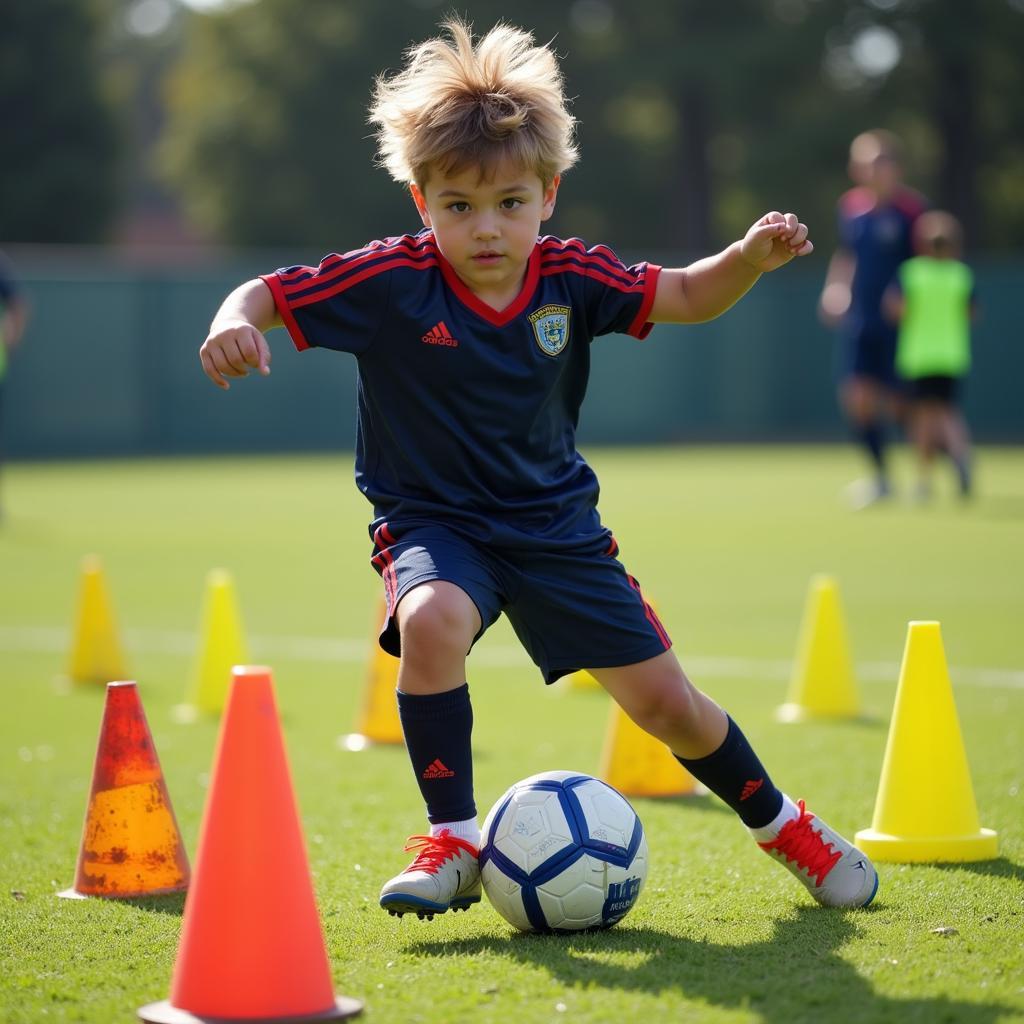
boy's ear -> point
(550, 195)
(421, 204)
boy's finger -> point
(774, 230)
(235, 358)
(264, 353)
(211, 371)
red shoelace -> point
(435, 850)
(798, 842)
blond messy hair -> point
(455, 106)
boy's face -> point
(876, 169)
(487, 228)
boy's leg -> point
(957, 441)
(437, 622)
(442, 593)
(863, 401)
(657, 695)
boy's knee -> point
(668, 712)
(439, 619)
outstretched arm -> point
(707, 288)
(835, 295)
(13, 320)
(235, 343)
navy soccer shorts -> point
(572, 609)
(870, 352)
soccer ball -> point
(562, 851)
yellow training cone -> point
(925, 809)
(583, 680)
(822, 684)
(221, 647)
(96, 655)
(637, 764)
(378, 720)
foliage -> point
(58, 168)
(694, 118)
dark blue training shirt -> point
(466, 416)
(880, 238)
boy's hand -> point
(232, 349)
(774, 240)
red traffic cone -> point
(251, 944)
(131, 845)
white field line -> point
(53, 639)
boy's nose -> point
(484, 229)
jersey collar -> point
(482, 310)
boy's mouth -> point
(487, 256)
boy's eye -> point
(511, 203)
(458, 207)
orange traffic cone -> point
(637, 764)
(252, 948)
(131, 845)
(378, 720)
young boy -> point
(933, 303)
(876, 221)
(473, 343)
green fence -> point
(109, 366)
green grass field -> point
(724, 541)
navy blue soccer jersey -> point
(880, 238)
(467, 416)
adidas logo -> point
(437, 770)
(439, 335)
(750, 788)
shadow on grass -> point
(796, 975)
(702, 801)
(173, 903)
(1000, 867)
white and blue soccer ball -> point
(562, 851)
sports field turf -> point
(724, 541)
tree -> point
(694, 117)
(58, 170)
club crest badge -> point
(551, 328)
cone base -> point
(794, 713)
(356, 741)
(882, 846)
(74, 894)
(164, 1013)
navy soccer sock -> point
(438, 730)
(734, 773)
(872, 437)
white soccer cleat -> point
(445, 875)
(835, 872)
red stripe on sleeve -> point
(348, 282)
(340, 265)
(640, 327)
(273, 282)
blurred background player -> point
(13, 315)
(876, 221)
(933, 303)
